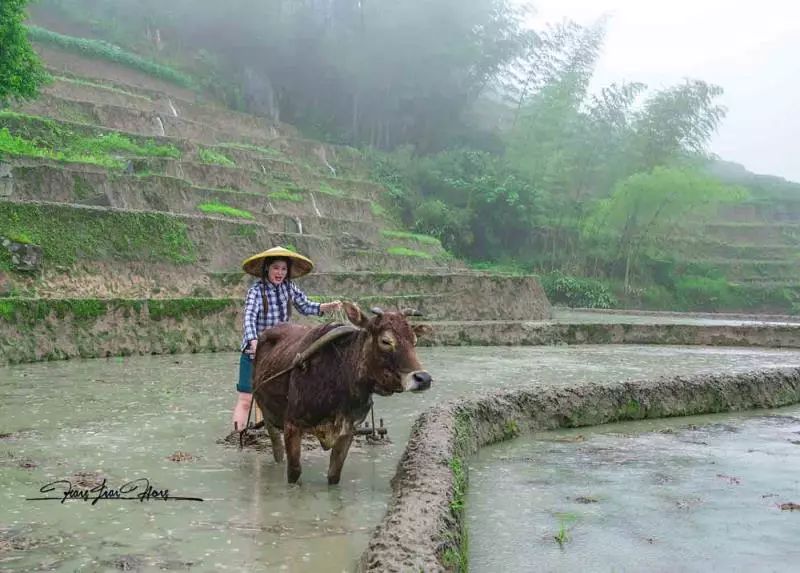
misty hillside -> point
(481, 134)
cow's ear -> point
(422, 329)
(355, 315)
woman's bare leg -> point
(241, 410)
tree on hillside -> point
(564, 53)
(21, 71)
(676, 122)
(648, 210)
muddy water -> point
(689, 494)
(121, 419)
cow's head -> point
(390, 355)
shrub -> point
(577, 292)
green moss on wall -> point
(33, 311)
(67, 235)
(196, 307)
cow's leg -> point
(292, 437)
(338, 455)
(277, 443)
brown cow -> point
(330, 394)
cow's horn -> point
(376, 310)
(412, 312)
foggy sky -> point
(751, 49)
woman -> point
(269, 302)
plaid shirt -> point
(277, 308)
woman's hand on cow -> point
(330, 306)
(251, 349)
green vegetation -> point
(31, 311)
(377, 209)
(160, 309)
(652, 209)
(631, 410)
(247, 231)
(505, 267)
(68, 234)
(268, 151)
(106, 87)
(564, 522)
(717, 294)
(21, 71)
(406, 252)
(208, 156)
(510, 429)
(577, 292)
(81, 189)
(39, 137)
(459, 485)
(423, 239)
(456, 555)
(226, 210)
(291, 194)
(458, 559)
(328, 190)
(113, 142)
(34, 311)
(106, 51)
(15, 145)
(19, 237)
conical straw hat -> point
(300, 265)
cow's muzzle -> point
(417, 381)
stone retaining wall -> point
(511, 333)
(424, 529)
(46, 329)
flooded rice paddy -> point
(159, 418)
(710, 493)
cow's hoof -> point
(293, 475)
(333, 480)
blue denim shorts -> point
(245, 374)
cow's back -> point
(276, 350)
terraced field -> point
(117, 190)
